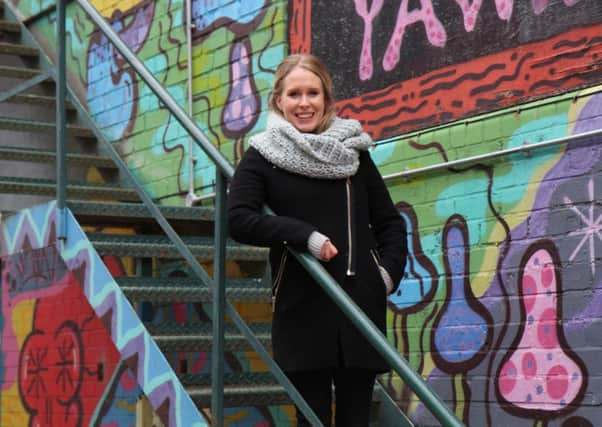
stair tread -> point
(41, 186)
(18, 72)
(240, 389)
(38, 100)
(169, 289)
(17, 124)
(13, 27)
(173, 330)
(195, 337)
(184, 282)
(233, 379)
(37, 155)
(237, 395)
(160, 246)
(138, 210)
(18, 49)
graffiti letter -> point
(470, 12)
(540, 5)
(434, 30)
(504, 9)
(367, 16)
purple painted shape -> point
(134, 35)
(159, 395)
(577, 159)
(242, 106)
(576, 156)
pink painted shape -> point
(539, 6)
(361, 8)
(435, 31)
(504, 9)
(557, 381)
(549, 378)
(470, 12)
(507, 378)
(529, 365)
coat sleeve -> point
(246, 220)
(387, 225)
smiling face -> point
(302, 100)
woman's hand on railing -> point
(328, 251)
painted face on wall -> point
(302, 100)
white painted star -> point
(591, 227)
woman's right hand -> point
(328, 251)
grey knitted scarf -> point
(333, 153)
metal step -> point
(21, 125)
(38, 101)
(44, 187)
(149, 246)
(18, 72)
(198, 336)
(42, 156)
(18, 49)
(248, 389)
(180, 289)
(9, 27)
(121, 211)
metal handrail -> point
(226, 170)
(61, 123)
(526, 147)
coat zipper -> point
(350, 271)
(278, 279)
(375, 257)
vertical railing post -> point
(61, 157)
(219, 303)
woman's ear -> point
(278, 102)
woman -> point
(314, 171)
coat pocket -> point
(278, 279)
(376, 259)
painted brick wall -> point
(501, 304)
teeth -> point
(305, 116)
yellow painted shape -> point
(581, 100)
(459, 393)
(13, 413)
(108, 7)
(22, 319)
(481, 282)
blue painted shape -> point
(110, 93)
(417, 281)
(461, 332)
(208, 12)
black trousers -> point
(353, 395)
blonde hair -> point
(310, 63)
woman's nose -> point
(303, 100)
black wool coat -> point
(309, 332)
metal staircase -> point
(27, 158)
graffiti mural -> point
(73, 351)
(506, 334)
(403, 65)
(236, 46)
(500, 306)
